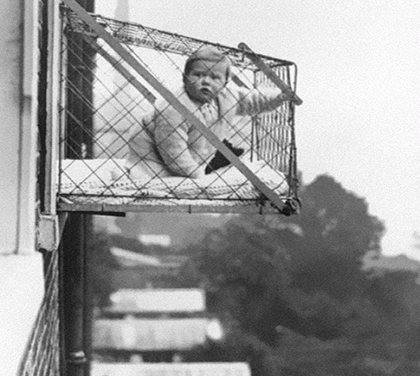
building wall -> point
(17, 144)
(10, 112)
(21, 292)
(21, 268)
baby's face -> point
(205, 80)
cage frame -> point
(286, 205)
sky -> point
(358, 76)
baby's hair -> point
(208, 54)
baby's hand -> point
(288, 95)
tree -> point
(336, 231)
(299, 272)
(302, 275)
(244, 275)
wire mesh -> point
(42, 356)
(112, 153)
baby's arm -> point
(260, 100)
(171, 136)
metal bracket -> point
(50, 228)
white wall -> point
(10, 115)
(18, 129)
(21, 291)
(21, 271)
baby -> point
(169, 145)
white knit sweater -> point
(168, 145)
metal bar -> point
(72, 249)
(252, 207)
(78, 229)
(152, 38)
(51, 133)
(269, 72)
(42, 101)
(209, 135)
(88, 303)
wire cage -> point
(117, 79)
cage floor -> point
(101, 186)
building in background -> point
(171, 369)
(138, 271)
(154, 325)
